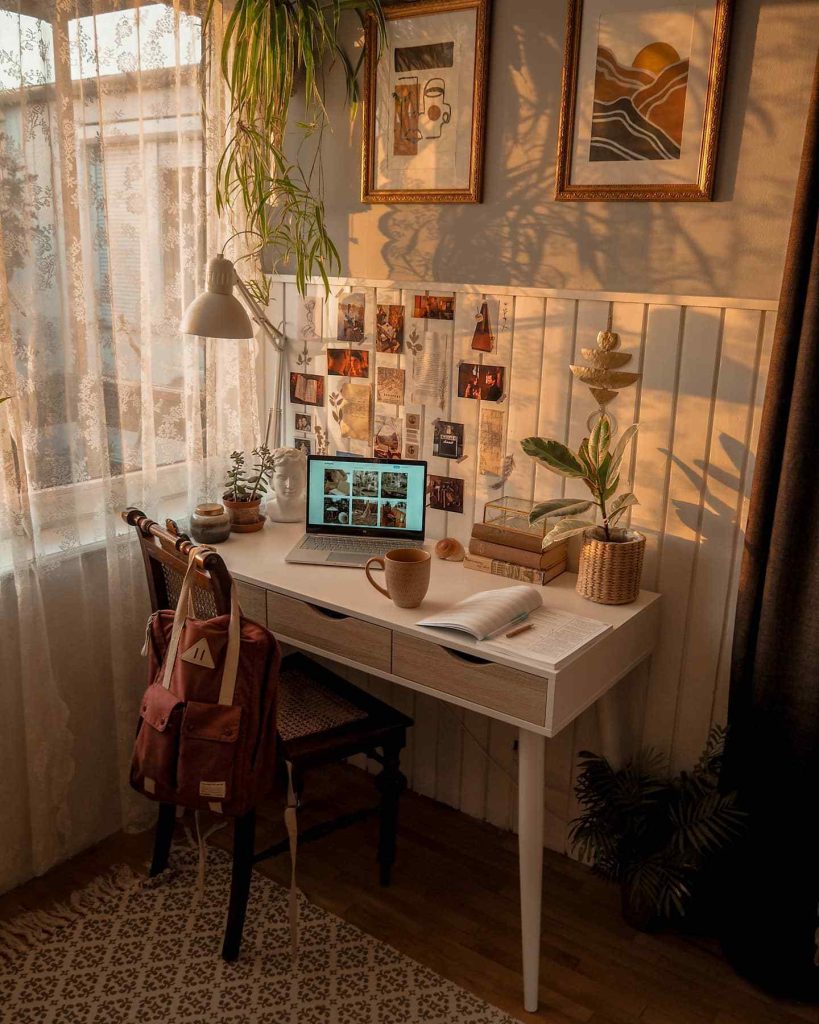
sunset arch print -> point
(642, 89)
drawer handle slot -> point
(473, 659)
(328, 613)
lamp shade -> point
(217, 313)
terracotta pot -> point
(244, 515)
(610, 570)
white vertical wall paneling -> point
(720, 698)
(719, 473)
(699, 362)
(704, 365)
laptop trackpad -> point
(348, 557)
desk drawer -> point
(252, 601)
(491, 685)
(337, 634)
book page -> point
(554, 636)
(486, 613)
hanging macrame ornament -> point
(602, 375)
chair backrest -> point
(165, 553)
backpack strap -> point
(183, 611)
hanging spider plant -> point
(269, 48)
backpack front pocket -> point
(153, 769)
(207, 752)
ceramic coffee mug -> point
(406, 573)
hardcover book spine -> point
(511, 538)
(531, 559)
(498, 567)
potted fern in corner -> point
(611, 559)
(653, 833)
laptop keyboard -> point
(357, 545)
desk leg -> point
(531, 783)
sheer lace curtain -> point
(105, 171)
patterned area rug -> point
(148, 951)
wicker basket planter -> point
(610, 570)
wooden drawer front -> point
(252, 601)
(346, 635)
(490, 685)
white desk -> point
(334, 612)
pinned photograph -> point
(412, 450)
(490, 442)
(446, 493)
(351, 310)
(345, 362)
(337, 511)
(387, 437)
(389, 385)
(306, 389)
(303, 422)
(336, 483)
(448, 440)
(413, 420)
(481, 382)
(434, 307)
(486, 321)
(393, 514)
(303, 444)
(393, 485)
(389, 328)
(365, 512)
(355, 411)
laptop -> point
(358, 507)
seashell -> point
(450, 550)
(607, 340)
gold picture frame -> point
(467, 183)
(700, 167)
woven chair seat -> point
(307, 707)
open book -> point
(482, 615)
(554, 638)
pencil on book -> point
(520, 629)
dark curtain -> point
(772, 757)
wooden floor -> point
(453, 906)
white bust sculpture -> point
(289, 486)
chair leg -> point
(391, 784)
(163, 835)
(244, 833)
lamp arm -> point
(273, 333)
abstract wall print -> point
(642, 91)
(389, 385)
(309, 313)
(425, 103)
(345, 362)
(389, 329)
(351, 310)
(306, 389)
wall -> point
(520, 236)
(703, 365)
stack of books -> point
(514, 554)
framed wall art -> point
(425, 103)
(642, 90)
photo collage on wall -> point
(357, 497)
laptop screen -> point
(366, 497)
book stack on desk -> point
(515, 555)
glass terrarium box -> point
(513, 514)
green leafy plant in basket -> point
(598, 465)
(652, 832)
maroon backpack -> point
(207, 728)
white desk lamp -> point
(217, 313)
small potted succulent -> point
(245, 489)
(611, 559)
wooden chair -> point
(322, 719)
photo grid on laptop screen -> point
(382, 496)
